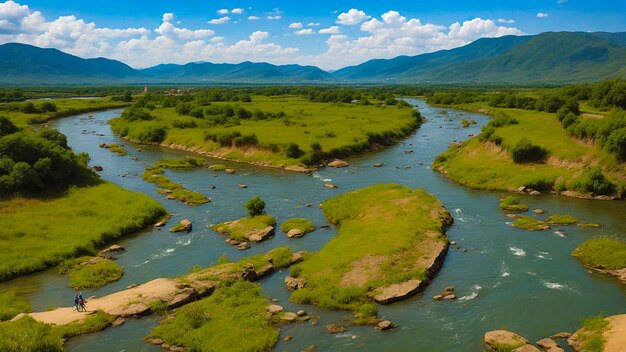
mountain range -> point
(546, 58)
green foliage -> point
(255, 206)
(240, 229)
(92, 323)
(158, 306)
(558, 219)
(28, 335)
(298, 223)
(292, 150)
(200, 326)
(591, 336)
(7, 127)
(89, 272)
(526, 152)
(155, 174)
(593, 180)
(513, 204)
(36, 234)
(12, 304)
(529, 223)
(602, 253)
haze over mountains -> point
(561, 57)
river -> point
(505, 277)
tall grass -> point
(89, 272)
(28, 335)
(39, 233)
(12, 304)
(602, 253)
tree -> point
(255, 206)
(7, 127)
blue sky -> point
(329, 34)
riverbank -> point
(287, 132)
(391, 241)
(571, 167)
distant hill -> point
(562, 57)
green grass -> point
(11, 304)
(158, 306)
(65, 107)
(39, 233)
(90, 272)
(593, 328)
(485, 165)
(602, 253)
(117, 148)
(513, 204)
(92, 323)
(218, 167)
(384, 229)
(340, 129)
(558, 219)
(529, 223)
(297, 223)
(240, 229)
(155, 174)
(28, 335)
(233, 318)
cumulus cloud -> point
(307, 31)
(295, 25)
(313, 24)
(222, 11)
(542, 14)
(274, 17)
(237, 11)
(254, 18)
(352, 17)
(330, 30)
(220, 20)
(502, 20)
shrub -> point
(512, 203)
(249, 140)
(593, 180)
(134, 114)
(153, 134)
(524, 151)
(292, 150)
(7, 127)
(255, 206)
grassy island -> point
(602, 253)
(388, 235)
(279, 131)
(88, 272)
(155, 174)
(545, 140)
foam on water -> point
(164, 253)
(184, 242)
(517, 251)
(504, 271)
(560, 233)
(554, 285)
(474, 294)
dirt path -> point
(616, 334)
(134, 301)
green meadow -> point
(282, 130)
(39, 233)
(384, 232)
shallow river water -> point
(505, 277)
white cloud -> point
(220, 20)
(168, 17)
(352, 17)
(222, 11)
(217, 39)
(295, 25)
(561, 2)
(276, 17)
(275, 14)
(237, 11)
(502, 20)
(254, 18)
(313, 24)
(542, 14)
(330, 30)
(307, 31)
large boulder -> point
(261, 235)
(397, 292)
(547, 343)
(293, 283)
(499, 340)
(274, 309)
(527, 348)
(295, 233)
(338, 163)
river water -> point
(505, 277)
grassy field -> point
(340, 129)
(39, 233)
(384, 233)
(64, 107)
(488, 165)
(12, 304)
(602, 253)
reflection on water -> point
(504, 276)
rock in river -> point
(503, 339)
(183, 226)
(338, 163)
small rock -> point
(183, 226)
(293, 283)
(288, 338)
(274, 309)
(289, 317)
(512, 216)
(324, 227)
(547, 343)
(330, 185)
(408, 151)
(338, 163)
(213, 187)
(170, 198)
(527, 348)
(311, 348)
(335, 329)
(437, 297)
(521, 189)
(561, 335)
(241, 185)
(499, 339)
(453, 243)
(556, 349)
(133, 158)
(308, 205)
(139, 150)
(449, 297)
(274, 300)
(301, 313)
(384, 325)
(131, 286)
(378, 164)
(154, 341)
(230, 171)
(97, 168)
(177, 349)
(243, 246)
(295, 233)
(117, 322)
(534, 193)
(538, 211)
